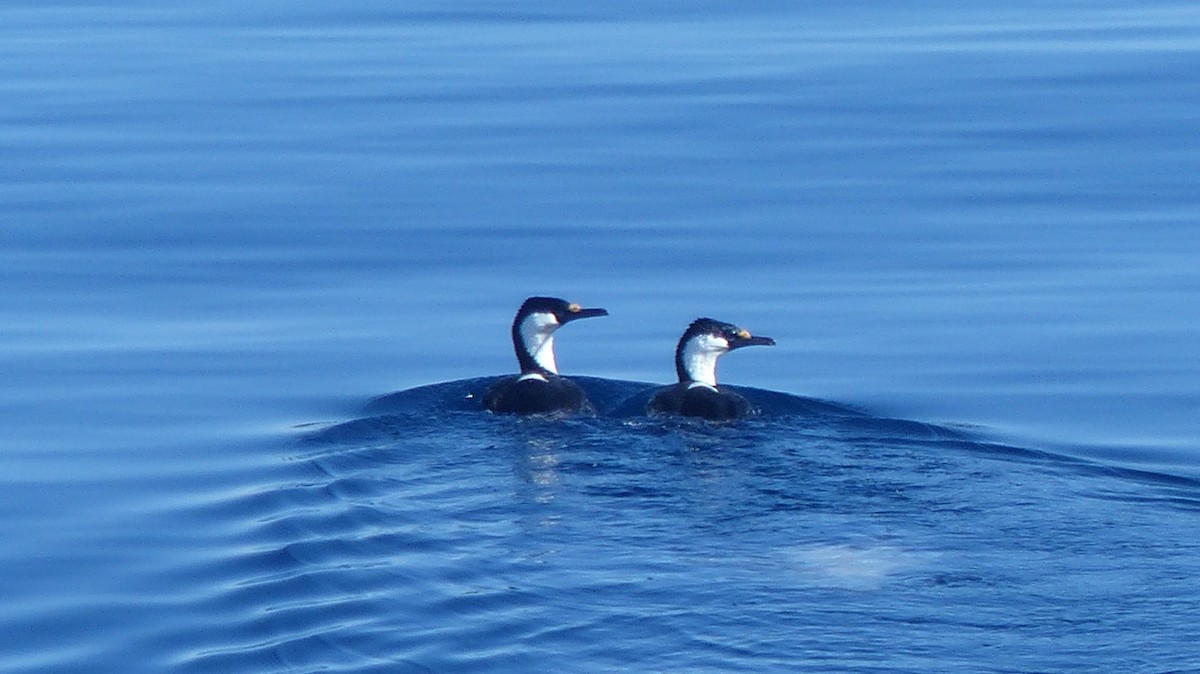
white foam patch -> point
(852, 567)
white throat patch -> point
(700, 356)
(537, 333)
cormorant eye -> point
(574, 308)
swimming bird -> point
(697, 394)
(538, 389)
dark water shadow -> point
(620, 403)
(611, 398)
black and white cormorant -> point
(697, 394)
(538, 389)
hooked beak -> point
(584, 313)
(751, 340)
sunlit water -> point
(225, 229)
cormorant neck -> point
(696, 359)
(533, 339)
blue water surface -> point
(226, 229)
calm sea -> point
(225, 227)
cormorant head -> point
(703, 343)
(533, 331)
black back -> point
(513, 395)
(699, 401)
